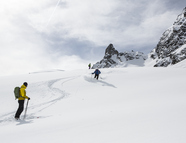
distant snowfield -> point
(126, 105)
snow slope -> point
(127, 105)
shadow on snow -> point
(92, 80)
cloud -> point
(45, 34)
(117, 22)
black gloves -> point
(28, 98)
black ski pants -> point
(96, 76)
(20, 108)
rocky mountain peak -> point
(170, 49)
(113, 58)
(184, 12)
(110, 50)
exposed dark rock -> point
(113, 58)
(170, 49)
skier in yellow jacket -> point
(21, 100)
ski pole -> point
(26, 109)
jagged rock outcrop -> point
(113, 58)
(171, 48)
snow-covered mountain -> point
(171, 48)
(113, 58)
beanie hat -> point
(25, 83)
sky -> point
(58, 34)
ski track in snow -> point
(36, 92)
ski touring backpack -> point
(17, 92)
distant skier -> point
(96, 72)
(21, 100)
(89, 65)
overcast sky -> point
(68, 34)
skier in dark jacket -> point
(96, 72)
